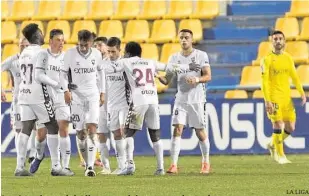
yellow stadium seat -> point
(179, 10)
(81, 25)
(303, 73)
(195, 26)
(100, 10)
(136, 30)
(289, 26)
(25, 23)
(74, 10)
(206, 10)
(122, 47)
(58, 24)
(236, 94)
(4, 10)
(163, 31)
(258, 94)
(299, 8)
(22, 10)
(150, 51)
(111, 28)
(295, 93)
(68, 46)
(9, 50)
(299, 51)
(264, 49)
(48, 10)
(45, 46)
(169, 49)
(251, 75)
(6, 81)
(127, 10)
(8, 32)
(304, 33)
(153, 10)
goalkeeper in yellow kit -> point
(277, 69)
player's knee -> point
(129, 132)
(63, 128)
(177, 131)
(41, 134)
(289, 128)
(18, 130)
(102, 137)
(154, 134)
(52, 127)
(92, 128)
(92, 137)
(27, 127)
(118, 135)
(81, 134)
(200, 133)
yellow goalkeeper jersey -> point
(277, 69)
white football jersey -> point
(140, 73)
(84, 70)
(117, 87)
(188, 93)
(30, 91)
(55, 64)
(12, 64)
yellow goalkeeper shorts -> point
(283, 111)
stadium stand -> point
(205, 10)
(9, 50)
(179, 10)
(111, 28)
(303, 73)
(304, 33)
(80, 25)
(4, 10)
(22, 10)
(163, 31)
(299, 51)
(136, 30)
(152, 10)
(195, 26)
(250, 75)
(8, 32)
(289, 26)
(167, 50)
(264, 49)
(236, 94)
(257, 94)
(100, 10)
(150, 51)
(127, 10)
(48, 10)
(25, 23)
(74, 10)
(298, 9)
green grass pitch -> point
(231, 175)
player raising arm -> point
(85, 64)
(277, 68)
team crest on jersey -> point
(77, 63)
(62, 61)
(93, 62)
(193, 59)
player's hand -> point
(102, 99)
(72, 86)
(3, 97)
(67, 97)
(303, 100)
(195, 67)
(191, 80)
(269, 107)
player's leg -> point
(179, 120)
(103, 133)
(197, 119)
(152, 119)
(63, 119)
(289, 119)
(40, 143)
(28, 119)
(31, 146)
(92, 120)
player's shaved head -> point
(22, 44)
(133, 49)
(33, 34)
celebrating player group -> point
(106, 97)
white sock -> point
(120, 144)
(65, 150)
(104, 155)
(113, 142)
(91, 150)
(53, 146)
(22, 142)
(204, 146)
(15, 140)
(130, 148)
(82, 145)
(158, 148)
(40, 148)
(175, 149)
(31, 144)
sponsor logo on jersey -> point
(84, 70)
(148, 92)
(54, 68)
(93, 62)
(115, 78)
(25, 91)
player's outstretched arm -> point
(40, 67)
(7, 64)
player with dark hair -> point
(100, 44)
(190, 101)
(35, 101)
(85, 65)
(277, 69)
(62, 111)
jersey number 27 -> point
(24, 69)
